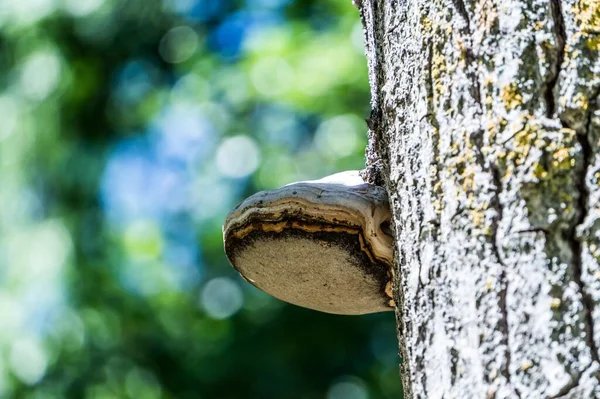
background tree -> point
(485, 129)
(128, 129)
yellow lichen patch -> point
(587, 15)
(521, 144)
(540, 172)
(581, 101)
(468, 181)
(491, 129)
(488, 16)
(462, 48)
(595, 253)
(560, 156)
(487, 230)
(448, 29)
(593, 43)
(551, 158)
(438, 66)
(489, 97)
(477, 218)
(511, 96)
(427, 25)
(437, 207)
(526, 365)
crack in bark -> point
(431, 119)
(462, 10)
(435, 139)
(469, 56)
(582, 202)
(576, 246)
(561, 38)
(502, 278)
(566, 390)
(575, 242)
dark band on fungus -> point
(312, 244)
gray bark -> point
(484, 129)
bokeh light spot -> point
(280, 126)
(70, 326)
(103, 327)
(39, 254)
(136, 185)
(134, 82)
(52, 247)
(178, 44)
(4, 378)
(209, 206)
(269, 39)
(313, 76)
(184, 134)
(28, 360)
(286, 168)
(228, 37)
(190, 89)
(141, 384)
(338, 136)
(143, 240)
(238, 156)
(221, 298)
(12, 317)
(28, 11)
(81, 8)
(235, 86)
(348, 388)
(40, 74)
(179, 6)
(272, 76)
(9, 113)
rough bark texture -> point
(485, 128)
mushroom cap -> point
(321, 244)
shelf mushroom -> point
(322, 244)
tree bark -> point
(484, 129)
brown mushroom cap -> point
(318, 244)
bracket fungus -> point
(322, 244)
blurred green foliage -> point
(128, 129)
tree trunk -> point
(484, 129)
